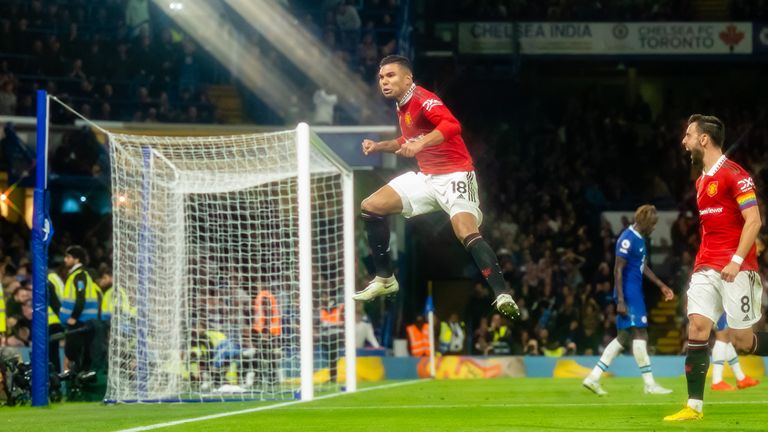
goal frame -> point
(305, 141)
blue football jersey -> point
(631, 247)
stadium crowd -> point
(124, 59)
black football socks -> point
(378, 239)
(696, 366)
(486, 261)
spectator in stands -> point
(499, 337)
(364, 334)
(480, 337)
(324, 106)
(7, 36)
(137, 16)
(349, 24)
(19, 313)
(8, 100)
(478, 305)
(76, 72)
(368, 55)
(452, 335)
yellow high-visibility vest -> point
(58, 284)
(2, 315)
(69, 297)
(109, 303)
(215, 337)
(52, 317)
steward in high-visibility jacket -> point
(109, 303)
(81, 297)
(331, 330)
(2, 316)
(266, 317)
(418, 337)
(53, 318)
(500, 338)
(55, 291)
(80, 303)
(452, 335)
(224, 355)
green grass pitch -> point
(524, 404)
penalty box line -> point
(263, 408)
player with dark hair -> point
(446, 181)
(632, 318)
(725, 277)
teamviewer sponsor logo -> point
(711, 210)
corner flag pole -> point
(430, 308)
(41, 236)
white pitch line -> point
(263, 408)
(513, 405)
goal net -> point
(233, 264)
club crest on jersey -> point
(408, 119)
(712, 189)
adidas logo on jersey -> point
(461, 196)
(746, 318)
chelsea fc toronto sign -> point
(538, 38)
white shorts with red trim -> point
(426, 193)
(709, 295)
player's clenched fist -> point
(368, 146)
(729, 272)
(410, 148)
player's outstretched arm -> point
(666, 291)
(388, 146)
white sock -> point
(719, 353)
(611, 351)
(733, 360)
(696, 404)
(640, 351)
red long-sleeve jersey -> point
(721, 195)
(421, 113)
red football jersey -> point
(421, 113)
(721, 195)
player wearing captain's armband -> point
(446, 181)
(725, 277)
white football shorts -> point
(709, 295)
(425, 193)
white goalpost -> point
(234, 260)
